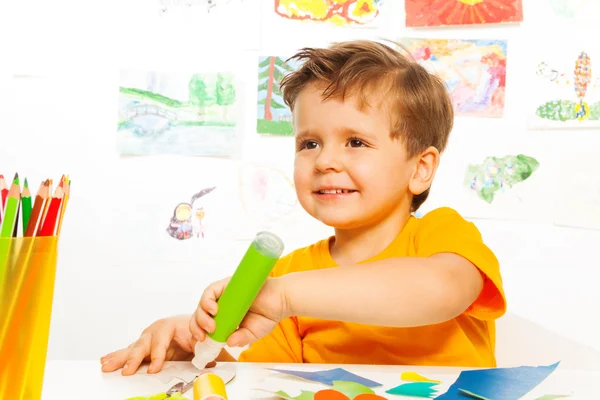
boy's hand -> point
(166, 339)
(269, 307)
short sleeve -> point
(445, 231)
(282, 345)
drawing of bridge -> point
(140, 110)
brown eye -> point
(356, 143)
(310, 145)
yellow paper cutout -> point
(414, 377)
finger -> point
(204, 321)
(241, 337)
(115, 360)
(137, 353)
(197, 332)
(213, 292)
(160, 342)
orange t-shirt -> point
(467, 340)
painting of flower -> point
(421, 13)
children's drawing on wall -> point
(186, 221)
(567, 95)
(496, 175)
(575, 10)
(274, 117)
(267, 193)
(211, 19)
(474, 72)
(577, 203)
(177, 113)
(334, 12)
(421, 13)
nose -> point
(328, 160)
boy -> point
(388, 288)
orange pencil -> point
(67, 188)
(38, 208)
(49, 224)
(45, 209)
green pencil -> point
(26, 204)
(10, 212)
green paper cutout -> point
(473, 395)
(351, 389)
(415, 389)
(304, 395)
(552, 396)
(159, 396)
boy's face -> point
(349, 173)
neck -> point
(355, 245)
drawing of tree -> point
(271, 71)
(225, 92)
(198, 96)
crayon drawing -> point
(498, 174)
(474, 72)
(334, 12)
(575, 9)
(274, 117)
(170, 113)
(186, 221)
(567, 90)
(420, 13)
(267, 193)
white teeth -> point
(334, 191)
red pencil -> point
(3, 191)
(38, 209)
(49, 224)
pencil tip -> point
(16, 178)
(25, 183)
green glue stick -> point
(239, 294)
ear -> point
(426, 164)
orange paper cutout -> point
(330, 394)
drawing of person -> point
(198, 228)
(180, 226)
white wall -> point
(118, 269)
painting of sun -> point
(421, 13)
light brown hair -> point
(420, 106)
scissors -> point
(175, 392)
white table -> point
(84, 380)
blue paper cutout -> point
(327, 377)
(499, 383)
(415, 389)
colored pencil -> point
(26, 204)
(37, 210)
(10, 211)
(45, 209)
(3, 190)
(49, 224)
(64, 203)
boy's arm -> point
(400, 292)
(453, 272)
(225, 356)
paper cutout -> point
(187, 372)
(330, 394)
(415, 389)
(552, 396)
(328, 376)
(351, 389)
(304, 395)
(499, 383)
(414, 377)
(473, 395)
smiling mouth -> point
(335, 191)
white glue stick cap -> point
(206, 351)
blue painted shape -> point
(499, 383)
(328, 376)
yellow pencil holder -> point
(27, 275)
